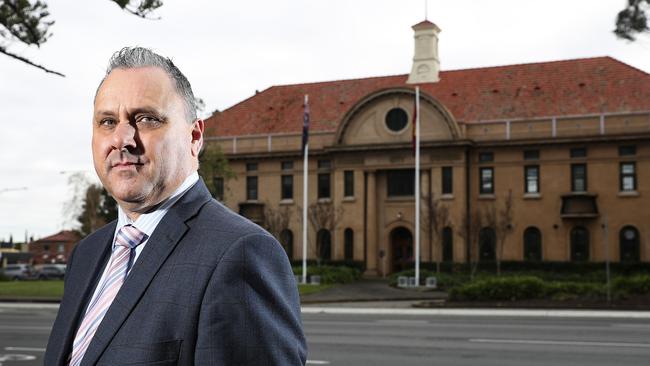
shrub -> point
(500, 289)
(331, 274)
(637, 285)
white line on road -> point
(561, 343)
(25, 349)
(317, 362)
(482, 312)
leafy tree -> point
(98, 209)
(633, 19)
(29, 22)
(213, 164)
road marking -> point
(26, 349)
(561, 343)
(402, 322)
(317, 362)
(515, 313)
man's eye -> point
(147, 119)
(107, 122)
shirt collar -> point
(147, 222)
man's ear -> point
(198, 126)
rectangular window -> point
(251, 167)
(532, 179)
(287, 165)
(348, 183)
(324, 185)
(61, 248)
(628, 177)
(251, 188)
(400, 182)
(627, 150)
(578, 177)
(531, 155)
(578, 152)
(487, 180)
(485, 157)
(218, 188)
(447, 180)
(287, 187)
(324, 164)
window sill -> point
(532, 196)
(286, 201)
(252, 201)
(629, 194)
(349, 199)
(324, 200)
(447, 197)
(400, 199)
(486, 196)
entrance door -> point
(402, 247)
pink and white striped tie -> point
(127, 238)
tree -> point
(435, 217)
(504, 226)
(323, 215)
(470, 227)
(277, 220)
(28, 22)
(633, 19)
(98, 209)
(212, 165)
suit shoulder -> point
(223, 219)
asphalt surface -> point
(355, 337)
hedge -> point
(331, 274)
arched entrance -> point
(401, 243)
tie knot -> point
(129, 236)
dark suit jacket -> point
(209, 288)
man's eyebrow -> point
(134, 111)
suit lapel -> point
(93, 258)
(159, 246)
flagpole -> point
(304, 198)
(417, 186)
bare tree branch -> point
(20, 58)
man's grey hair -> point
(135, 57)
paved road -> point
(412, 340)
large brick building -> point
(565, 143)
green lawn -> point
(54, 289)
(310, 289)
(44, 289)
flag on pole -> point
(305, 125)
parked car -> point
(19, 272)
(50, 271)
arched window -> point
(579, 244)
(629, 244)
(487, 239)
(348, 239)
(532, 244)
(286, 239)
(447, 245)
(324, 244)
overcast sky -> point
(228, 49)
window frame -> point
(527, 179)
(482, 188)
(324, 185)
(286, 186)
(348, 183)
(252, 192)
(574, 178)
(622, 176)
(447, 180)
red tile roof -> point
(62, 236)
(560, 88)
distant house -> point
(54, 248)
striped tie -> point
(128, 237)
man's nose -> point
(124, 135)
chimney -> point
(426, 64)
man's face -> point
(143, 145)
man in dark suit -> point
(178, 279)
